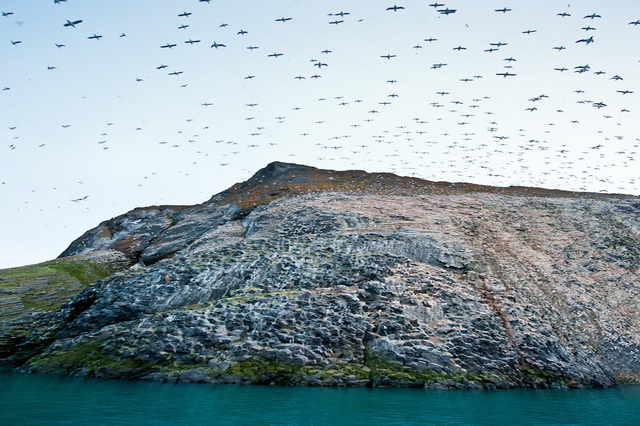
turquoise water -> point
(54, 400)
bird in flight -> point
(72, 23)
(388, 56)
(505, 74)
(216, 45)
(436, 5)
(585, 40)
(395, 8)
(275, 55)
(168, 45)
(283, 19)
(447, 11)
(592, 16)
(185, 14)
(95, 37)
(503, 10)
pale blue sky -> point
(108, 123)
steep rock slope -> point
(315, 277)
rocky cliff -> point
(313, 277)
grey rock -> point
(267, 283)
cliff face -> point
(314, 277)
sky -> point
(97, 118)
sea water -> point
(55, 400)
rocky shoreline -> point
(397, 287)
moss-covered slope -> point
(46, 286)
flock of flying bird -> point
(463, 151)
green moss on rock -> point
(46, 286)
(89, 359)
(373, 372)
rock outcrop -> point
(303, 276)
